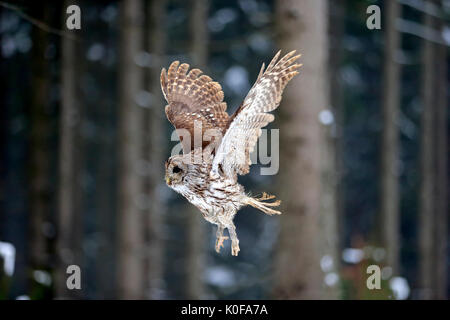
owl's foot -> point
(234, 239)
(259, 203)
(219, 242)
(235, 248)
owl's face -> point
(176, 171)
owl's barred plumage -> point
(193, 97)
(206, 173)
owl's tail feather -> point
(264, 206)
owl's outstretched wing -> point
(193, 99)
(244, 128)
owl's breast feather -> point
(217, 199)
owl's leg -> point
(234, 239)
(220, 237)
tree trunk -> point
(103, 149)
(336, 29)
(105, 258)
(156, 142)
(426, 209)
(39, 145)
(131, 256)
(389, 193)
(70, 151)
(302, 26)
(329, 177)
(441, 171)
(196, 231)
(13, 155)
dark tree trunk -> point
(104, 146)
(389, 193)
(39, 168)
(336, 29)
(131, 227)
(426, 206)
(155, 149)
(441, 171)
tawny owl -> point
(206, 173)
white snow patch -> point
(8, 252)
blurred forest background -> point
(363, 150)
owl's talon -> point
(219, 243)
(273, 204)
(265, 196)
(235, 249)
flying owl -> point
(206, 173)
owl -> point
(216, 146)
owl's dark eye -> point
(176, 169)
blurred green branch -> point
(41, 25)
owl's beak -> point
(168, 181)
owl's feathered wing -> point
(193, 98)
(244, 127)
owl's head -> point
(176, 170)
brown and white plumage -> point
(211, 185)
(245, 127)
(193, 97)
